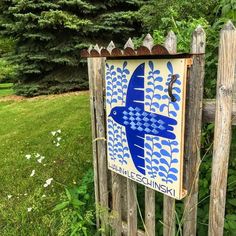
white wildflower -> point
(58, 139)
(37, 155)
(29, 209)
(48, 182)
(32, 173)
(59, 131)
(28, 156)
(44, 195)
(40, 159)
(58, 144)
(9, 196)
(25, 194)
(53, 133)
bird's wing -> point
(136, 146)
(163, 126)
(135, 93)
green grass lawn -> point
(6, 89)
(25, 128)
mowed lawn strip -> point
(6, 89)
(25, 129)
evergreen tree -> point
(50, 34)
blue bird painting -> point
(138, 122)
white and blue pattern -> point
(138, 128)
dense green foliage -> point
(50, 34)
(7, 69)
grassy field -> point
(25, 127)
(6, 89)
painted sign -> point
(145, 125)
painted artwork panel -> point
(145, 128)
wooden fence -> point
(116, 196)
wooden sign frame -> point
(145, 125)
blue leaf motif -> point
(157, 96)
(148, 161)
(149, 90)
(148, 146)
(151, 161)
(157, 154)
(162, 168)
(161, 174)
(178, 90)
(173, 177)
(149, 168)
(155, 168)
(175, 105)
(175, 143)
(175, 150)
(164, 161)
(162, 107)
(164, 142)
(123, 150)
(165, 153)
(170, 67)
(155, 161)
(150, 63)
(173, 113)
(174, 170)
(174, 161)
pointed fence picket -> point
(116, 196)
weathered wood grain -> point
(129, 44)
(148, 42)
(110, 46)
(222, 134)
(116, 204)
(94, 135)
(209, 108)
(171, 42)
(125, 230)
(169, 203)
(98, 73)
(193, 131)
(124, 200)
(150, 212)
(132, 207)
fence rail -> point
(117, 196)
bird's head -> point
(117, 114)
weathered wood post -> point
(222, 135)
(193, 130)
(169, 203)
(96, 69)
